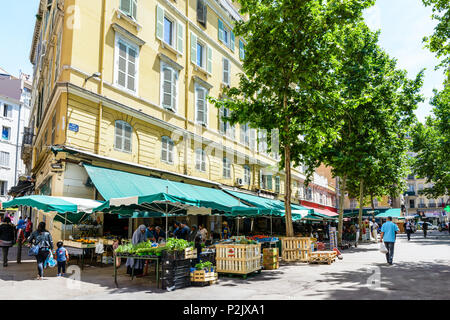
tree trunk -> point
(373, 206)
(361, 200)
(341, 209)
(287, 197)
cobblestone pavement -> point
(421, 270)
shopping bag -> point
(50, 261)
(383, 248)
(34, 250)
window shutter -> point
(122, 64)
(241, 50)
(180, 37)
(209, 63)
(200, 106)
(127, 138)
(159, 22)
(221, 36)
(167, 88)
(134, 12)
(261, 180)
(253, 139)
(269, 182)
(125, 6)
(132, 54)
(193, 48)
(226, 71)
(174, 90)
(221, 122)
(201, 12)
(232, 44)
(119, 132)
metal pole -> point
(271, 225)
(167, 216)
(65, 223)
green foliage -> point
(204, 265)
(439, 41)
(431, 143)
(173, 244)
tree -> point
(439, 42)
(378, 103)
(431, 143)
(289, 83)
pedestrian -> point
(21, 224)
(425, 229)
(20, 240)
(203, 232)
(388, 235)
(184, 231)
(28, 228)
(135, 266)
(42, 238)
(375, 230)
(226, 233)
(177, 229)
(62, 256)
(193, 233)
(408, 229)
(7, 237)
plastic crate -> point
(174, 284)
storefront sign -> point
(74, 127)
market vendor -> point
(150, 233)
(184, 231)
(159, 234)
(138, 265)
(226, 232)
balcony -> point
(421, 205)
(432, 205)
(410, 193)
(27, 145)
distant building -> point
(15, 97)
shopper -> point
(43, 239)
(138, 265)
(159, 234)
(7, 237)
(408, 229)
(28, 228)
(425, 228)
(62, 256)
(375, 230)
(20, 240)
(193, 234)
(388, 235)
(150, 233)
(184, 231)
(177, 229)
(21, 224)
(226, 233)
(203, 232)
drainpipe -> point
(101, 70)
(186, 93)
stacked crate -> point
(271, 258)
(238, 258)
(176, 274)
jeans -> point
(390, 253)
(408, 234)
(424, 233)
(61, 267)
(41, 257)
(5, 255)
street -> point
(421, 270)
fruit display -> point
(85, 241)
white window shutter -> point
(221, 122)
(159, 22)
(209, 63)
(174, 90)
(119, 132)
(180, 37)
(232, 44)
(226, 71)
(167, 88)
(193, 48)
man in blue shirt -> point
(388, 233)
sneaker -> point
(58, 275)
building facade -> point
(15, 96)
(123, 84)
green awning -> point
(392, 212)
(352, 213)
(77, 209)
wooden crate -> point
(296, 249)
(74, 244)
(271, 266)
(203, 276)
(190, 253)
(269, 260)
(269, 252)
(322, 257)
(238, 258)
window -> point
(129, 7)
(200, 55)
(320, 198)
(167, 150)
(169, 79)
(241, 50)
(262, 139)
(4, 159)
(411, 203)
(375, 202)
(309, 194)
(266, 181)
(3, 188)
(53, 128)
(226, 35)
(224, 126)
(201, 105)
(247, 175)
(123, 136)
(6, 133)
(202, 12)
(7, 111)
(127, 65)
(226, 71)
(226, 168)
(169, 30)
(200, 160)
(58, 56)
(352, 204)
(277, 184)
(245, 134)
(411, 188)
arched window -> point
(200, 160)
(123, 136)
(167, 150)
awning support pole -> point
(167, 216)
(65, 223)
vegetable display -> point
(207, 265)
(150, 249)
(173, 244)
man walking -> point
(408, 229)
(425, 228)
(388, 234)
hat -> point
(225, 223)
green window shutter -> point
(220, 30)
(269, 182)
(241, 50)
(180, 36)
(209, 63)
(193, 48)
(159, 22)
(232, 44)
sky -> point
(403, 24)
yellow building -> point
(123, 84)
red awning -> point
(323, 211)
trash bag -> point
(383, 248)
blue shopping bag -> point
(50, 261)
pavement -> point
(421, 270)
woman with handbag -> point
(7, 237)
(43, 239)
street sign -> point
(74, 127)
